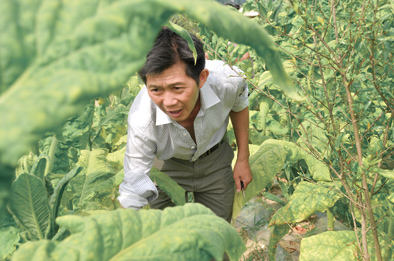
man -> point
(181, 117)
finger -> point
(246, 182)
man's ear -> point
(203, 77)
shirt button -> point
(193, 147)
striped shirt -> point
(152, 133)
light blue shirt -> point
(152, 133)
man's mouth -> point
(175, 113)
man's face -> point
(175, 93)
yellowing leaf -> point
(330, 245)
(307, 199)
(269, 160)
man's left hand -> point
(242, 173)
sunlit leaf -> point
(330, 245)
(307, 199)
(269, 160)
(191, 232)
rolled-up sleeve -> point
(137, 189)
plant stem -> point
(51, 156)
(330, 220)
(364, 181)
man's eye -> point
(177, 88)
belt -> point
(208, 152)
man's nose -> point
(169, 100)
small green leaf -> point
(386, 173)
(185, 35)
(307, 199)
(39, 166)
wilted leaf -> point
(307, 199)
(191, 232)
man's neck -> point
(188, 124)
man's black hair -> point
(168, 49)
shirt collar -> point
(208, 99)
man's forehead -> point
(173, 75)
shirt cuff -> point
(130, 199)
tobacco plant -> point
(339, 54)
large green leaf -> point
(330, 245)
(94, 186)
(62, 65)
(307, 199)
(191, 232)
(29, 205)
(169, 186)
(341, 245)
(269, 161)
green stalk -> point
(51, 155)
(330, 220)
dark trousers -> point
(209, 178)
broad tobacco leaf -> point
(93, 188)
(307, 199)
(191, 232)
(341, 246)
(330, 245)
(269, 161)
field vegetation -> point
(321, 127)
